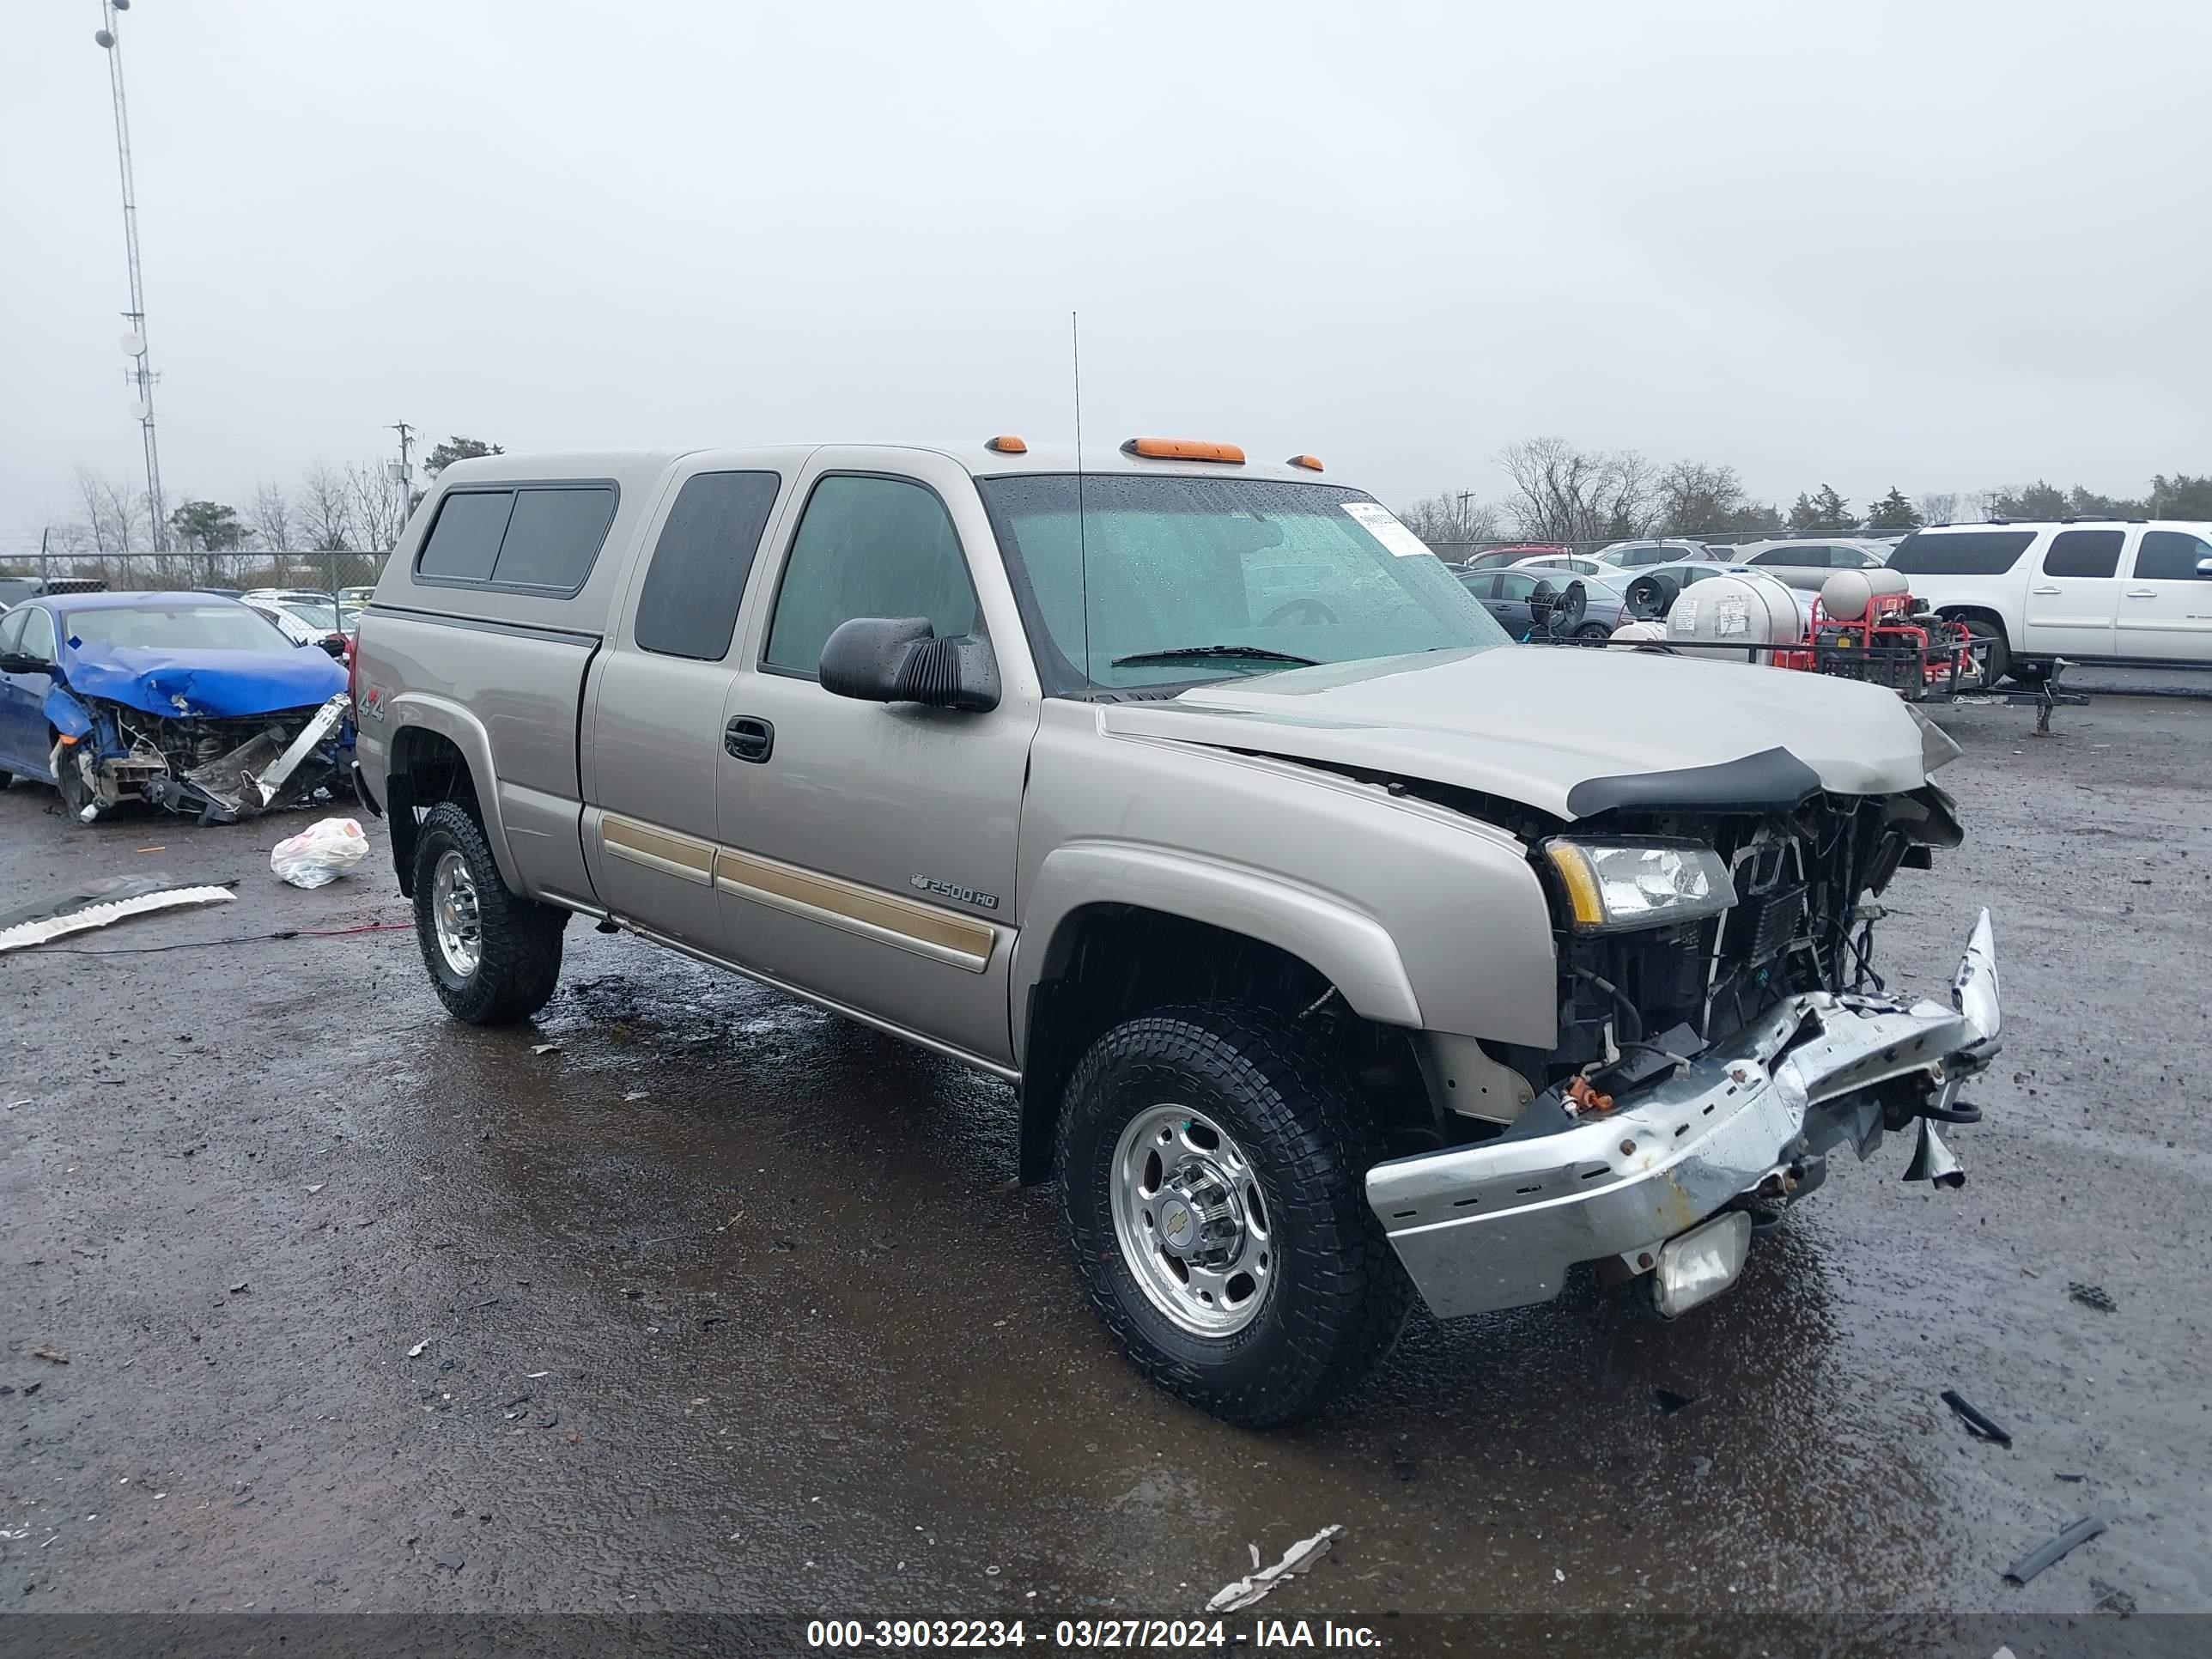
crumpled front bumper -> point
(1498, 1225)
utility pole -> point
(134, 341)
(403, 473)
(1465, 496)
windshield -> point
(1204, 578)
(316, 613)
(192, 628)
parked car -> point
(1568, 562)
(1807, 564)
(303, 622)
(14, 590)
(2098, 591)
(1651, 592)
(186, 700)
(355, 599)
(1498, 557)
(1630, 556)
(1522, 599)
(1279, 909)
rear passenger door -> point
(2073, 595)
(656, 724)
(868, 849)
(2165, 603)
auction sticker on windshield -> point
(1378, 521)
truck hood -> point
(1569, 732)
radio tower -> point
(134, 342)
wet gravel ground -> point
(722, 1302)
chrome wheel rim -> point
(1193, 1226)
(453, 909)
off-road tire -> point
(519, 960)
(1341, 1297)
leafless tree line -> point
(1563, 494)
(355, 507)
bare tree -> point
(111, 512)
(1939, 506)
(1568, 495)
(272, 517)
(380, 512)
(325, 508)
(1451, 519)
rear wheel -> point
(1211, 1163)
(1596, 633)
(494, 956)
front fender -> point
(424, 711)
(66, 714)
(1349, 948)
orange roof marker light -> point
(1306, 461)
(1183, 449)
(1007, 444)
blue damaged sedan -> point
(188, 701)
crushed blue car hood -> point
(205, 685)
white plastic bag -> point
(320, 853)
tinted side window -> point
(11, 630)
(554, 536)
(1969, 553)
(2084, 553)
(1516, 586)
(464, 543)
(689, 607)
(2171, 554)
(39, 634)
(867, 547)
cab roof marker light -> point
(1183, 449)
(1306, 461)
(1006, 444)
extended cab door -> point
(868, 849)
(2165, 603)
(655, 731)
(2073, 594)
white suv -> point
(2092, 590)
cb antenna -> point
(1082, 526)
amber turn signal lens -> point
(1182, 449)
(1306, 461)
(1007, 444)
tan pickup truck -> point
(1337, 949)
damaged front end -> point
(218, 768)
(1722, 1030)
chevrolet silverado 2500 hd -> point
(1338, 949)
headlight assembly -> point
(1614, 886)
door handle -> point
(2046, 589)
(749, 739)
(2142, 592)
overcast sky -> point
(1938, 245)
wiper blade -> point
(1202, 653)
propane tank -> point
(1724, 614)
(1845, 596)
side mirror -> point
(901, 659)
(331, 644)
(19, 662)
(2205, 567)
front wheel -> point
(1211, 1163)
(494, 956)
(1991, 647)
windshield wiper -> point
(1202, 653)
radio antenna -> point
(1082, 526)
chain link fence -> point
(324, 572)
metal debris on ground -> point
(1978, 1424)
(2057, 1550)
(416, 1353)
(52, 1356)
(320, 853)
(99, 903)
(544, 1047)
(1243, 1592)
(2093, 1296)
